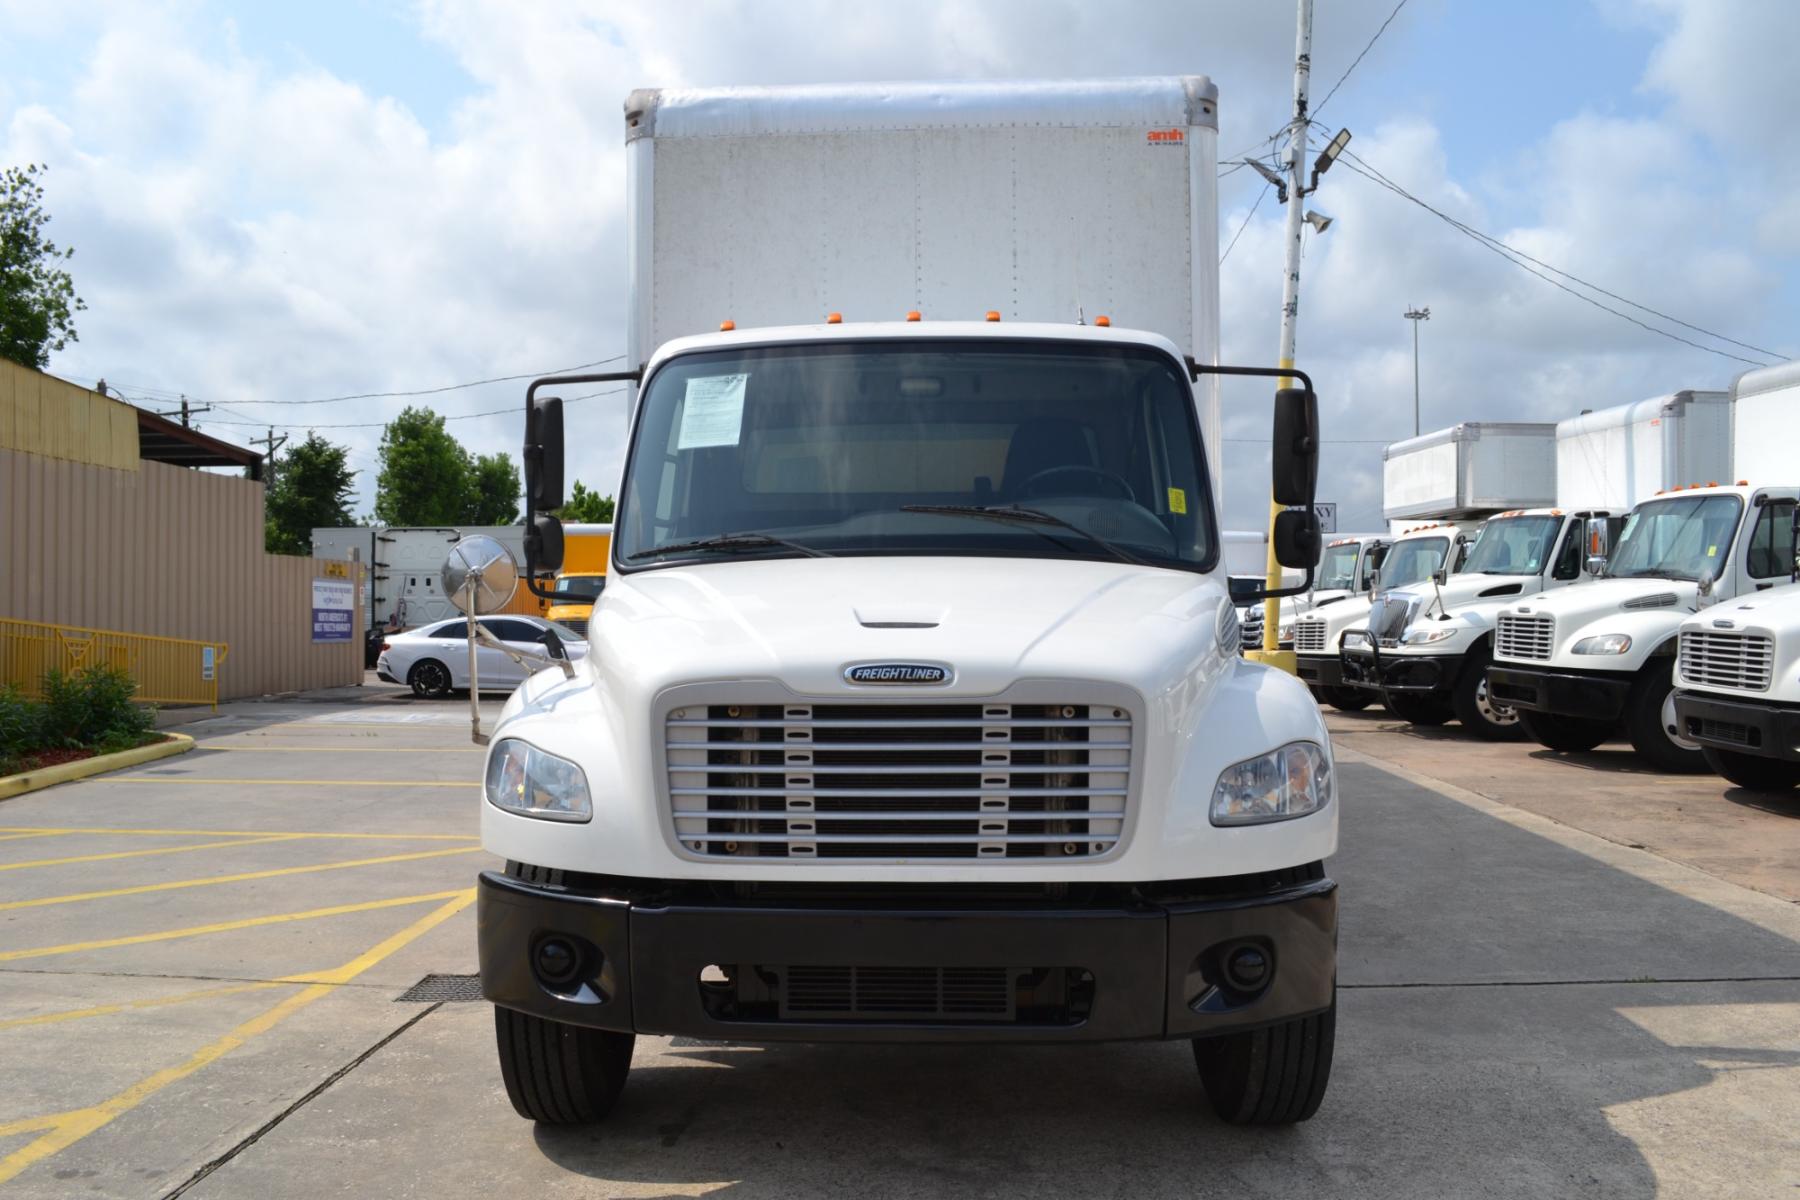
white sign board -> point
(333, 610)
(1327, 514)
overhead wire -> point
(493, 412)
(1354, 63)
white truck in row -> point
(914, 710)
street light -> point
(1415, 316)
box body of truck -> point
(1765, 422)
(1616, 457)
(1469, 470)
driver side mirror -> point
(1296, 452)
(1598, 533)
(1297, 537)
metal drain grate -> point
(442, 989)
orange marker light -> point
(913, 315)
(1712, 483)
(834, 318)
(727, 326)
(1743, 483)
(992, 315)
(1103, 322)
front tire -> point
(1752, 771)
(1270, 1076)
(1347, 699)
(560, 1074)
(429, 679)
(1650, 720)
(1477, 710)
(1417, 710)
(1566, 735)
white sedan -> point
(433, 659)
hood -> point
(1598, 597)
(990, 621)
(1460, 590)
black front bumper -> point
(1364, 666)
(1744, 727)
(1150, 970)
(1596, 696)
(1319, 670)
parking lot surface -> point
(1558, 977)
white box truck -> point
(914, 710)
(1617, 456)
(1468, 471)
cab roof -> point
(922, 330)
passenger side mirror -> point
(1441, 576)
(1598, 533)
(543, 455)
(480, 575)
(1297, 537)
(1296, 451)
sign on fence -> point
(333, 606)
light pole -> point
(1415, 316)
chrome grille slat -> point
(1309, 637)
(1744, 661)
(1527, 637)
(901, 781)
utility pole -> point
(184, 411)
(273, 443)
(1415, 316)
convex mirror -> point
(480, 575)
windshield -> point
(1338, 568)
(1676, 539)
(579, 587)
(1412, 561)
(825, 445)
(1513, 546)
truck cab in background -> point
(1737, 681)
(1578, 662)
(583, 575)
(1411, 557)
(1426, 647)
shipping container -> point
(1469, 470)
(1615, 457)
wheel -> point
(1753, 771)
(1650, 720)
(560, 1074)
(429, 679)
(1347, 699)
(1270, 1076)
(1478, 712)
(1417, 710)
(1570, 735)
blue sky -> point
(275, 202)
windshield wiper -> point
(729, 542)
(1024, 516)
(1653, 573)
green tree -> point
(425, 476)
(37, 298)
(312, 489)
(584, 505)
(494, 490)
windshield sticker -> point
(1712, 552)
(712, 412)
(1178, 501)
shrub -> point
(21, 724)
(92, 708)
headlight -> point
(1286, 783)
(1424, 637)
(1605, 643)
(525, 780)
(1285, 632)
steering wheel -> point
(1111, 484)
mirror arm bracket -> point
(530, 459)
(1261, 594)
(1196, 369)
(525, 658)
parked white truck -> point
(1618, 456)
(1425, 648)
(914, 709)
(1467, 471)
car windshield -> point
(825, 447)
(579, 587)
(1338, 568)
(1513, 546)
(1681, 538)
(1412, 561)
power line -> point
(1245, 225)
(1527, 263)
(1340, 82)
(493, 412)
(451, 387)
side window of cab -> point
(1771, 541)
(1569, 558)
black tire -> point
(1347, 699)
(1417, 710)
(1270, 1076)
(429, 679)
(1753, 771)
(560, 1074)
(1567, 735)
(1478, 714)
(1648, 716)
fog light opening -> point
(556, 961)
(1247, 968)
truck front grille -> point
(1309, 636)
(899, 782)
(1524, 637)
(578, 625)
(1728, 660)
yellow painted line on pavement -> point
(336, 910)
(188, 781)
(13, 837)
(62, 1130)
(88, 858)
(106, 1010)
(242, 877)
(396, 837)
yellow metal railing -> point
(166, 670)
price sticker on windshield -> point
(712, 412)
(1178, 500)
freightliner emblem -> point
(914, 673)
